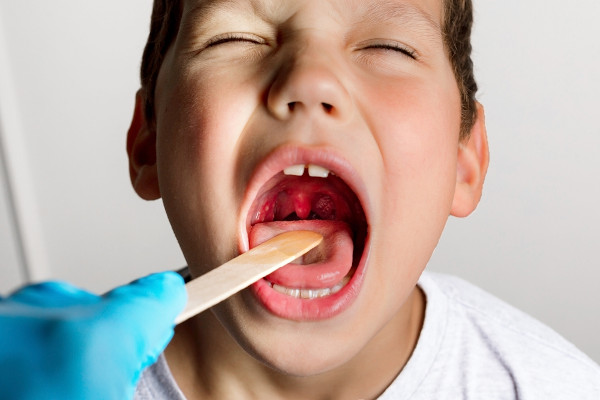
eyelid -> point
(233, 37)
(393, 45)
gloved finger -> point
(63, 342)
(146, 310)
(53, 294)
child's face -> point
(364, 89)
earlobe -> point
(141, 150)
(472, 164)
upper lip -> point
(286, 156)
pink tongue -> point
(321, 267)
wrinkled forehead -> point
(427, 13)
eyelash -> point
(395, 47)
(233, 37)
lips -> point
(308, 189)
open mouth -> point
(309, 197)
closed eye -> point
(234, 37)
(394, 47)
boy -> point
(354, 119)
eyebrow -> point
(377, 12)
(205, 9)
(408, 14)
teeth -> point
(318, 171)
(296, 170)
(311, 293)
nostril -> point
(293, 105)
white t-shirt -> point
(472, 346)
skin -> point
(222, 108)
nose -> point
(307, 83)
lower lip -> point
(320, 308)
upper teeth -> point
(318, 171)
(313, 170)
(296, 170)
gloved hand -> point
(60, 342)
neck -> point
(207, 362)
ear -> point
(141, 150)
(472, 165)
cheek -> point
(204, 116)
(418, 141)
(418, 138)
(198, 127)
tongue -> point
(322, 267)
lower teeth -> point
(311, 293)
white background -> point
(68, 75)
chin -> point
(303, 359)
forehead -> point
(425, 12)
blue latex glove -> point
(60, 342)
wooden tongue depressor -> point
(239, 273)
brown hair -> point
(456, 31)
